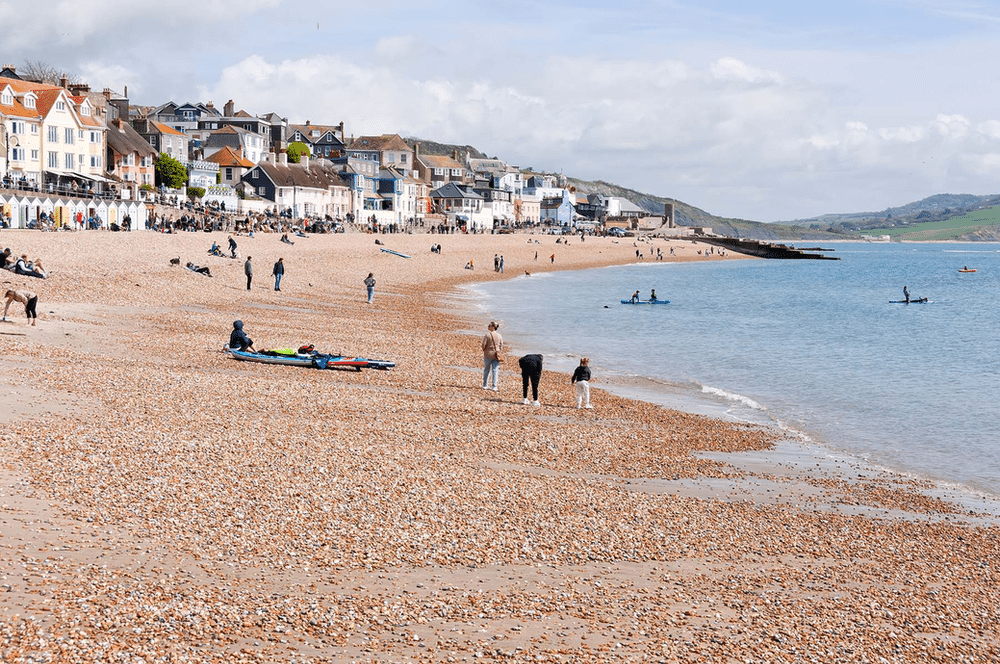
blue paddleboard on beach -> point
(395, 253)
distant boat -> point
(965, 269)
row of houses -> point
(67, 135)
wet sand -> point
(162, 501)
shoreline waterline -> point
(695, 397)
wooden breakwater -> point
(763, 249)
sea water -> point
(814, 347)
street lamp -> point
(11, 142)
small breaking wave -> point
(732, 396)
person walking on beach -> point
(496, 262)
(248, 270)
(492, 357)
(25, 297)
(581, 377)
(232, 246)
(501, 265)
(531, 371)
(553, 258)
(278, 272)
(370, 285)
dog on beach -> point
(175, 261)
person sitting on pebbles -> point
(238, 339)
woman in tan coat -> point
(492, 357)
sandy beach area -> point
(162, 502)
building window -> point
(456, 172)
(70, 135)
(8, 99)
(229, 174)
(95, 137)
(29, 101)
(16, 127)
(262, 191)
(84, 109)
(60, 106)
(17, 154)
(53, 160)
(34, 155)
(69, 161)
(53, 134)
(34, 129)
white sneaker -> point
(588, 406)
(496, 389)
(526, 401)
(485, 388)
(535, 403)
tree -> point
(170, 172)
(295, 151)
(43, 72)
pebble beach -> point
(162, 502)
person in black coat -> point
(531, 371)
(239, 340)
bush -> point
(196, 192)
(295, 151)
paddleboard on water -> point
(646, 302)
(395, 253)
(922, 300)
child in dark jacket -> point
(581, 377)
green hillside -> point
(981, 225)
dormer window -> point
(60, 106)
(29, 101)
(8, 99)
(85, 110)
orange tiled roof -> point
(19, 110)
(165, 129)
(229, 157)
(439, 161)
(383, 142)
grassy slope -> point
(978, 225)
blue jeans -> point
(277, 282)
(371, 293)
(491, 369)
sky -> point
(771, 110)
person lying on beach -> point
(284, 238)
(197, 268)
(27, 268)
(238, 339)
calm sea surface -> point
(811, 346)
